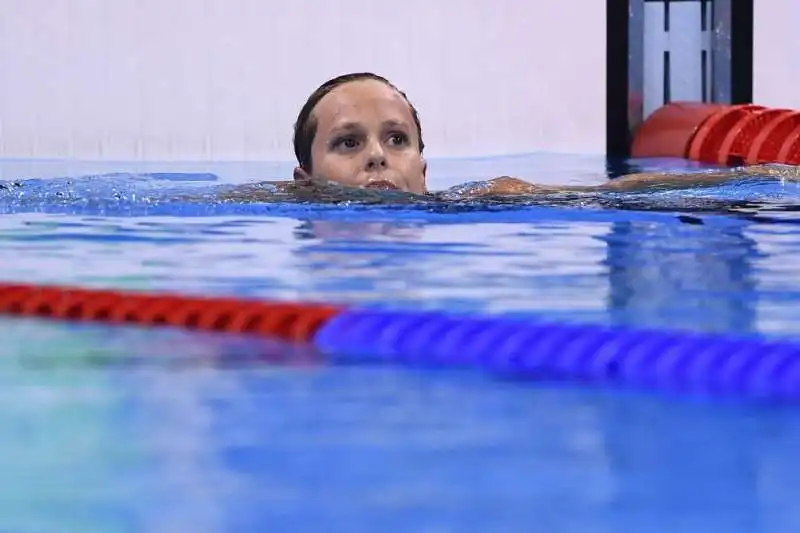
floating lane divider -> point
(285, 321)
(683, 362)
(743, 134)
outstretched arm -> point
(643, 181)
(508, 186)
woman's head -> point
(360, 130)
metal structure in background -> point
(681, 50)
(721, 45)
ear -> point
(301, 175)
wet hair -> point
(305, 128)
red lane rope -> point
(739, 141)
(767, 144)
(721, 134)
(707, 143)
(288, 321)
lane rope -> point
(681, 362)
(285, 321)
(732, 135)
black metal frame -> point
(732, 63)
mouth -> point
(382, 185)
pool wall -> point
(776, 63)
(223, 79)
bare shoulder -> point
(500, 186)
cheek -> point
(333, 168)
(415, 174)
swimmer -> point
(360, 131)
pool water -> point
(121, 429)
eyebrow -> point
(345, 126)
(394, 124)
(350, 126)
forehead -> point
(362, 100)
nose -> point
(377, 158)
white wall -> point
(224, 79)
(776, 54)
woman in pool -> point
(359, 130)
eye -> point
(398, 139)
(348, 143)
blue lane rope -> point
(678, 361)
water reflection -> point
(346, 230)
(682, 276)
(495, 267)
(641, 273)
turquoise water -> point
(129, 430)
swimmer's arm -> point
(509, 186)
(642, 181)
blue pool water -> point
(128, 430)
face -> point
(366, 138)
